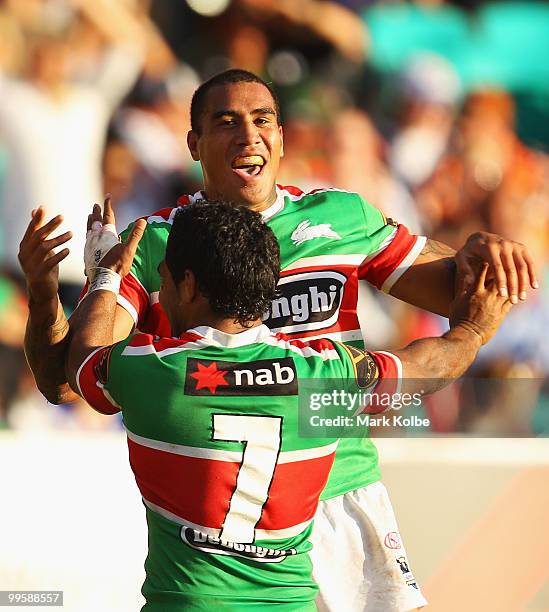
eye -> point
(262, 121)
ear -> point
(281, 141)
(187, 288)
(192, 143)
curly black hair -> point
(228, 77)
(233, 254)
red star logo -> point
(209, 377)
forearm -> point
(92, 326)
(430, 282)
(430, 364)
(46, 343)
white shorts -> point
(359, 561)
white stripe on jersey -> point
(260, 534)
(229, 456)
(326, 260)
(127, 305)
(149, 349)
(306, 351)
(160, 219)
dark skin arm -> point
(430, 364)
(47, 333)
(430, 283)
(93, 322)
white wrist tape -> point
(99, 241)
(105, 279)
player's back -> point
(230, 486)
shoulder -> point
(295, 194)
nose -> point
(248, 133)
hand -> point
(37, 258)
(101, 236)
(481, 308)
(510, 263)
(119, 257)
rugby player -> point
(212, 414)
(329, 240)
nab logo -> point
(262, 377)
(307, 301)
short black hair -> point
(233, 254)
(228, 77)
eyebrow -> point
(265, 110)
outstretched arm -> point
(430, 364)
(430, 282)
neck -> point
(222, 324)
(212, 194)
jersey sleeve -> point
(141, 285)
(392, 249)
(93, 380)
(135, 288)
(378, 373)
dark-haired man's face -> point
(239, 145)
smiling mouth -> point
(248, 166)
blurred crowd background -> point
(436, 112)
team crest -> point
(305, 231)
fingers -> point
(531, 269)
(52, 261)
(481, 280)
(95, 216)
(135, 235)
(510, 273)
(37, 217)
(50, 226)
(465, 275)
(55, 242)
(523, 275)
(108, 212)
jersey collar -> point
(267, 214)
(215, 337)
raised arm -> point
(430, 282)
(430, 364)
(92, 325)
(46, 335)
(48, 330)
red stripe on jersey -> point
(156, 321)
(141, 340)
(387, 385)
(299, 480)
(183, 200)
(87, 381)
(385, 263)
(165, 343)
(199, 490)
(163, 212)
(296, 191)
(319, 345)
(136, 294)
(84, 291)
(161, 344)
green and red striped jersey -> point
(329, 240)
(230, 486)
